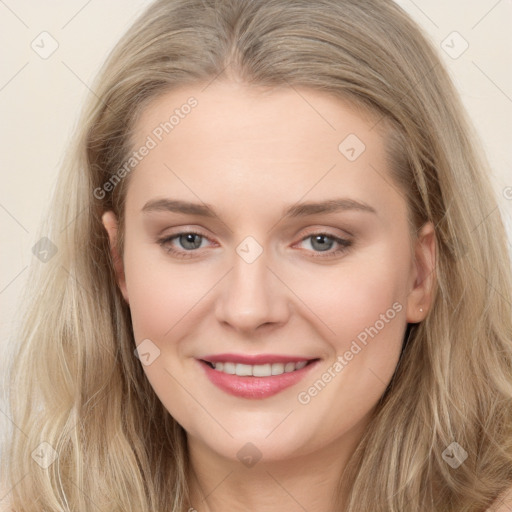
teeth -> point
(258, 370)
(289, 367)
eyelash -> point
(344, 243)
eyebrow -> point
(296, 210)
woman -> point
(278, 282)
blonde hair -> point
(75, 382)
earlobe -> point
(420, 296)
(110, 223)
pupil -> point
(189, 239)
(323, 246)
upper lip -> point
(254, 359)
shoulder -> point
(5, 503)
(503, 503)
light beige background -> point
(40, 99)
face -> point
(265, 228)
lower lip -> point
(255, 387)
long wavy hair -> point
(74, 382)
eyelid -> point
(318, 230)
(344, 243)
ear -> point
(110, 223)
(423, 277)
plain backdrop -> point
(40, 97)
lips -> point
(257, 376)
(255, 359)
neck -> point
(307, 482)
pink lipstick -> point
(255, 376)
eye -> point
(323, 242)
(189, 241)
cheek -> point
(363, 303)
(162, 298)
(358, 293)
(153, 301)
(348, 297)
(161, 293)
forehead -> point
(231, 139)
(238, 115)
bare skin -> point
(250, 154)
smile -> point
(256, 381)
(257, 370)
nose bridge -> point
(251, 294)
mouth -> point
(256, 381)
(258, 370)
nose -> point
(252, 297)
